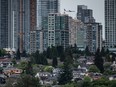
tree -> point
(68, 51)
(107, 51)
(75, 49)
(113, 83)
(27, 81)
(26, 66)
(54, 62)
(66, 75)
(48, 69)
(54, 52)
(94, 69)
(43, 59)
(36, 56)
(24, 54)
(87, 52)
(86, 82)
(2, 52)
(59, 50)
(70, 85)
(103, 82)
(18, 55)
(39, 58)
(99, 61)
(61, 54)
(54, 55)
(22, 65)
(29, 68)
(48, 52)
(1, 70)
(14, 62)
(102, 52)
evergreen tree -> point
(60, 50)
(0, 53)
(61, 54)
(66, 75)
(45, 53)
(54, 52)
(48, 52)
(99, 61)
(87, 52)
(14, 62)
(62, 57)
(68, 51)
(75, 49)
(18, 55)
(102, 52)
(54, 62)
(24, 54)
(27, 81)
(107, 51)
(29, 68)
(39, 58)
(54, 55)
(43, 59)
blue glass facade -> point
(58, 30)
(4, 24)
(44, 7)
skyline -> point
(96, 5)
(37, 30)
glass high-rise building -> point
(84, 14)
(10, 20)
(110, 23)
(58, 30)
(20, 24)
(4, 25)
(43, 8)
(92, 29)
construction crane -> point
(21, 26)
(67, 11)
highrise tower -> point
(5, 11)
(84, 14)
(110, 23)
(39, 37)
(20, 24)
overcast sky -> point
(96, 5)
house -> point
(95, 76)
(12, 71)
(6, 62)
(45, 78)
(43, 75)
(112, 77)
(113, 66)
(56, 72)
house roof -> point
(5, 60)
